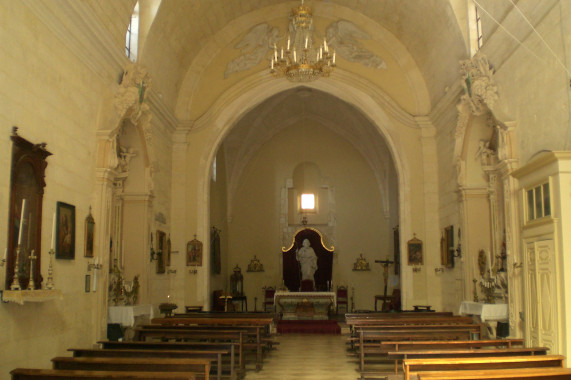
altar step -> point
(308, 327)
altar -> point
(489, 314)
(305, 305)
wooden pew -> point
(233, 320)
(254, 336)
(179, 346)
(499, 374)
(235, 336)
(470, 352)
(214, 355)
(370, 341)
(417, 366)
(134, 364)
(453, 344)
(51, 374)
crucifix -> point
(385, 263)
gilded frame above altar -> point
(331, 250)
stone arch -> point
(383, 113)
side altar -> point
(305, 305)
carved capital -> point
(132, 92)
(480, 90)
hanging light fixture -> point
(300, 61)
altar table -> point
(125, 315)
(305, 305)
(489, 314)
(486, 311)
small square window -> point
(308, 201)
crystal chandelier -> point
(301, 61)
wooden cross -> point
(32, 257)
(385, 263)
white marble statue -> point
(307, 259)
(342, 35)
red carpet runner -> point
(308, 327)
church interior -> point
(246, 156)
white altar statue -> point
(307, 259)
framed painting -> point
(216, 263)
(65, 231)
(194, 253)
(447, 247)
(161, 251)
(415, 253)
(89, 234)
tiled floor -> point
(308, 357)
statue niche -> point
(306, 242)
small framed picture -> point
(89, 234)
(161, 252)
(65, 231)
(194, 253)
(87, 283)
(414, 251)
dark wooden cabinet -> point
(26, 182)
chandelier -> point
(301, 61)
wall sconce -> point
(518, 265)
(193, 271)
(439, 269)
(96, 265)
(171, 271)
(416, 268)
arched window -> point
(475, 28)
(132, 35)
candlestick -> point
(15, 281)
(306, 42)
(22, 221)
(50, 281)
(53, 245)
(333, 57)
(95, 280)
(288, 41)
(31, 284)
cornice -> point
(449, 101)
(160, 111)
(541, 161)
(82, 33)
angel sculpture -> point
(254, 46)
(342, 35)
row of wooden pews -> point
(443, 346)
(194, 346)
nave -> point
(309, 357)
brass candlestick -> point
(31, 284)
(475, 290)
(15, 282)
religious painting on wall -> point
(396, 249)
(216, 263)
(194, 253)
(65, 231)
(89, 234)
(415, 251)
(161, 254)
(447, 247)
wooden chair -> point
(269, 292)
(342, 298)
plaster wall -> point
(56, 99)
(534, 87)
